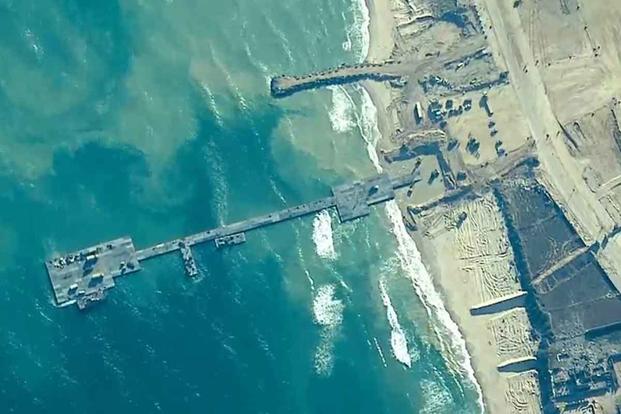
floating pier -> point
(85, 276)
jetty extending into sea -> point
(285, 85)
(85, 276)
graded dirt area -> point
(475, 256)
(509, 112)
(561, 173)
(556, 100)
(503, 131)
(577, 47)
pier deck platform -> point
(354, 200)
(85, 276)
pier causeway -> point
(85, 276)
(285, 85)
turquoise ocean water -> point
(153, 119)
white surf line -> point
(328, 315)
(360, 27)
(411, 262)
(408, 253)
(398, 341)
(322, 235)
(366, 122)
(342, 110)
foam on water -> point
(358, 32)
(327, 310)
(415, 270)
(328, 314)
(232, 84)
(347, 43)
(214, 161)
(324, 355)
(265, 71)
(408, 253)
(344, 116)
(283, 41)
(34, 43)
(322, 235)
(437, 399)
(211, 102)
(398, 341)
(342, 112)
(368, 127)
(365, 120)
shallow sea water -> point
(153, 119)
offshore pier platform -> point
(85, 276)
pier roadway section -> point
(84, 277)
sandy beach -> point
(381, 43)
(471, 266)
(501, 393)
(515, 185)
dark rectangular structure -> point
(579, 298)
(353, 199)
(84, 276)
(231, 240)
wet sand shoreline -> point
(474, 332)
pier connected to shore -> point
(85, 276)
(285, 85)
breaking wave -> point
(328, 314)
(358, 37)
(366, 121)
(322, 235)
(411, 261)
(368, 127)
(357, 41)
(324, 355)
(437, 398)
(327, 311)
(398, 341)
(412, 264)
(342, 112)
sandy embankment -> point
(452, 286)
(381, 43)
